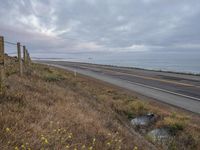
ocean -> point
(187, 62)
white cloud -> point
(188, 46)
(91, 46)
(98, 25)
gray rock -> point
(143, 120)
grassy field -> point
(49, 108)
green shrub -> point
(175, 123)
(138, 107)
(53, 78)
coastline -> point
(124, 67)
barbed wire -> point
(11, 53)
(11, 43)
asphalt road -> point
(179, 90)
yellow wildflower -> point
(22, 146)
(67, 146)
(8, 130)
(16, 148)
(65, 130)
(108, 143)
(46, 141)
(90, 148)
(42, 138)
(135, 148)
(94, 140)
(83, 147)
(70, 135)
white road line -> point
(151, 87)
(144, 77)
(163, 90)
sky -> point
(98, 26)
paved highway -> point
(176, 89)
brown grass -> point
(51, 109)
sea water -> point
(188, 62)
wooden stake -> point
(24, 55)
(2, 75)
(28, 57)
(19, 59)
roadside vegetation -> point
(49, 108)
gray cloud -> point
(97, 25)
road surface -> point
(180, 90)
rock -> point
(160, 134)
(143, 120)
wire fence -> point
(23, 62)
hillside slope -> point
(50, 108)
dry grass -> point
(51, 109)
(174, 122)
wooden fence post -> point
(2, 76)
(24, 55)
(19, 59)
(28, 57)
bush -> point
(175, 123)
(138, 107)
(52, 78)
(50, 75)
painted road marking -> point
(150, 78)
(163, 90)
(161, 80)
(155, 88)
(147, 86)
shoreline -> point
(124, 67)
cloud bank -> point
(102, 25)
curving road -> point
(176, 89)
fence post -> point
(19, 59)
(25, 55)
(2, 76)
(28, 57)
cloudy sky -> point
(102, 25)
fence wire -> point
(10, 43)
